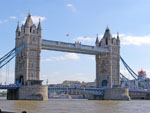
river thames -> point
(76, 106)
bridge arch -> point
(21, 80)
(104, 83)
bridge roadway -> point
(134, 93)
(98, 91)
(10, 86)
(95, 91)
(72, 47)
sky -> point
(79, 19)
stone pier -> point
(116, 94)
(34, 92)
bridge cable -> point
(8, 57)
(132, 72)
(128, 66)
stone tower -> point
(27, 67)
(108, 64)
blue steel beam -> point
(10, 55)
(95, 91)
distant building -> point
(91, 85)
(77, 84)
(68, 83)
(142, 82)
(141, 75)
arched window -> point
(104, 83)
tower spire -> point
(29, 21)
(39, 25)
(107, 28)
(97, 41)
(29, 14)
(107, 34)
(18, 29)
(117, 35)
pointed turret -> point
(97, 41)
(107, 34)
(29, 21)
(117, 36)
(39, 28)
(18, 29)
(39, 25)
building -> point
(107, 64)
(141, 75)
(68, 83)
(141, 82)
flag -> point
(68, 34)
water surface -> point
(76, 106)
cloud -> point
(84, 38)
(124, 39)
(72, 7)
(7, 19)
(135, 40)
(35, 19)
(13, 17)
(69, 56)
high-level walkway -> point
(72, 47)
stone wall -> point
(116, 94)
(34, 92)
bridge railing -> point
(95, 91)
(10, 86)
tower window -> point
(106, 42)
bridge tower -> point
(108, 64)
(27, 67)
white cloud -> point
(13, 17)
(124, 39)
(69, 56)
(72, 7)
(84, 38)
(35, 19)
(1, 22)
(135, 40)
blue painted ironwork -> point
(10, 86)
(9, 56)
(133, 74)
(95, 91)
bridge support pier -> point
(116, 94)
(12, 94)
(95, 97)
(28, 92)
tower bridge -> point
(27, 64)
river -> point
(76, 106)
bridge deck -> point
(11, 86)
(95, 91)
(72, 47)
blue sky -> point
(79, 18)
